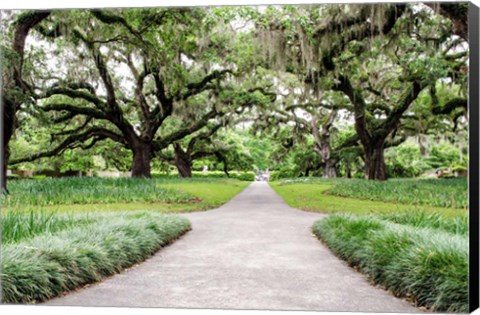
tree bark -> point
(142, 154)
(183, 162)
(423, 149)
(349, 172)
(8, 124)
(322, 144)
(184, 168)
(375, 168)
(330, 169)
(225, 167)
(3, 182)
(307, 171)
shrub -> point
(246, 177)
(211, 174)
(283, 173)
(396, 169)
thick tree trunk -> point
(375, 168)
(322, 144)
(307, 171)
(329, 164)
(10, 103)
(3, 181)
(183, 162)
(8, 125)
(142, 154)
(184, 168)
(349, 172)
(330, 169)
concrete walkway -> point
(254, 252)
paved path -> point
(254, 252)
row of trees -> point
(141, 78)
(383, 69)
(161, 83)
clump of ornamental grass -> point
(427, 265)
(17, 225)
(47, 265)
(433, 220)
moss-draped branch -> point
(74, 141)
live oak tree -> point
(171, 63)
(151, 79)
(236, 102)
(34, 135)
(315, 120)
(244, 151)
(439, 112)
(382, 99)
(306, 41)
(328, 36)
(224, 147)
(291, 153)
(162, 66)
(196, 147)
(16, 89)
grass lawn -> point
(317, 196)
(448, 193)
(121, 194)
(211, 192)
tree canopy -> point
(325, 89)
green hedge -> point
(47, 265)
(245, 176)
(282, 174)
(426, 265)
